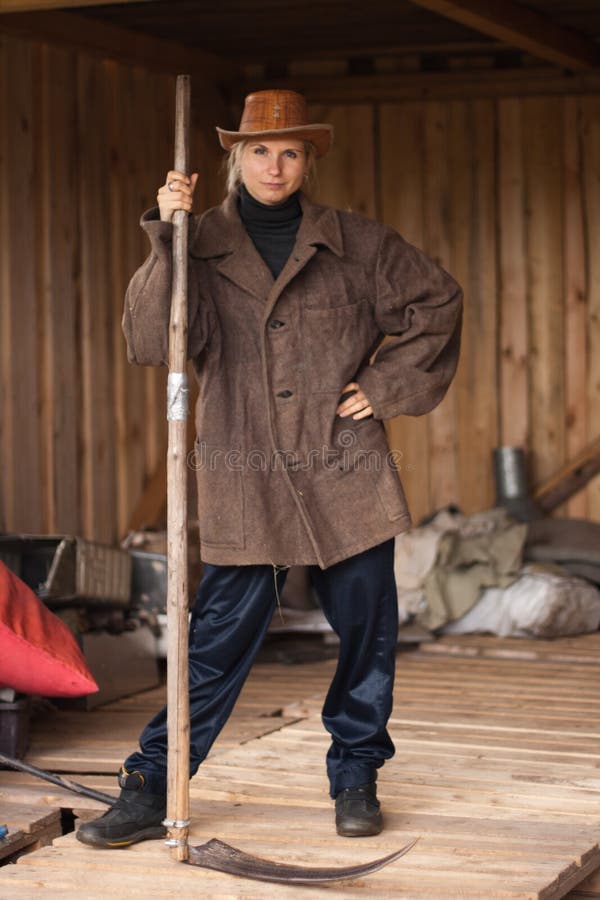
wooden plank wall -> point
(84, 144)
(505, 193)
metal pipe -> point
(65, 783)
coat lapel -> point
(221, 235)
(246, 268)
(320, 227)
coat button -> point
(276, 323)
(284, 394)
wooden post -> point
(178, 714)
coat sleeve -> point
(148, 302)
(419, 305)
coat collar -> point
(220, 232)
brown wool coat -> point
(281, 478)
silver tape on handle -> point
(177, 397)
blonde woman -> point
(288, 303)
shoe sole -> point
(357, 828)
(148, 834)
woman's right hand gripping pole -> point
(176, 193)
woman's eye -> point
(260, 150)
(291, 154)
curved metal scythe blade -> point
(223, 858)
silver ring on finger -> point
(171, 185)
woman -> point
(288, 302)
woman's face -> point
(273, 169)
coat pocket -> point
(373, 445)
(337, 340)
(391, 493)
(220, 495)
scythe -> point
(214, 854)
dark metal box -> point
(63, 569)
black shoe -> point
(357, 811)
(135, 816)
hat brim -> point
(320, 136)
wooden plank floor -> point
(100, 740)
(497, 771)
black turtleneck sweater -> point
(273, 229)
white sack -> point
(541, 603)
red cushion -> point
(38, 653)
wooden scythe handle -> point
(178, 712)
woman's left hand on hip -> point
(357, 405)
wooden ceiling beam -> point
(122, 44)
(13, 6)
(521, 27)
(375, 50)
(445, 85)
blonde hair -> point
(233, 171)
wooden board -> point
(474, 267)
(21, 499)
(576, 345)
(590, 136)
(498, 755)
(29, 828)
(97, 456)
(584, 648)
(543, 164)
(588, 888)
(60, 387)
(512, 251)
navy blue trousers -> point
(231, 615)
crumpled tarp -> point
(442, 567)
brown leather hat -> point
(273, 114)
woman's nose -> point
(274, 164)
